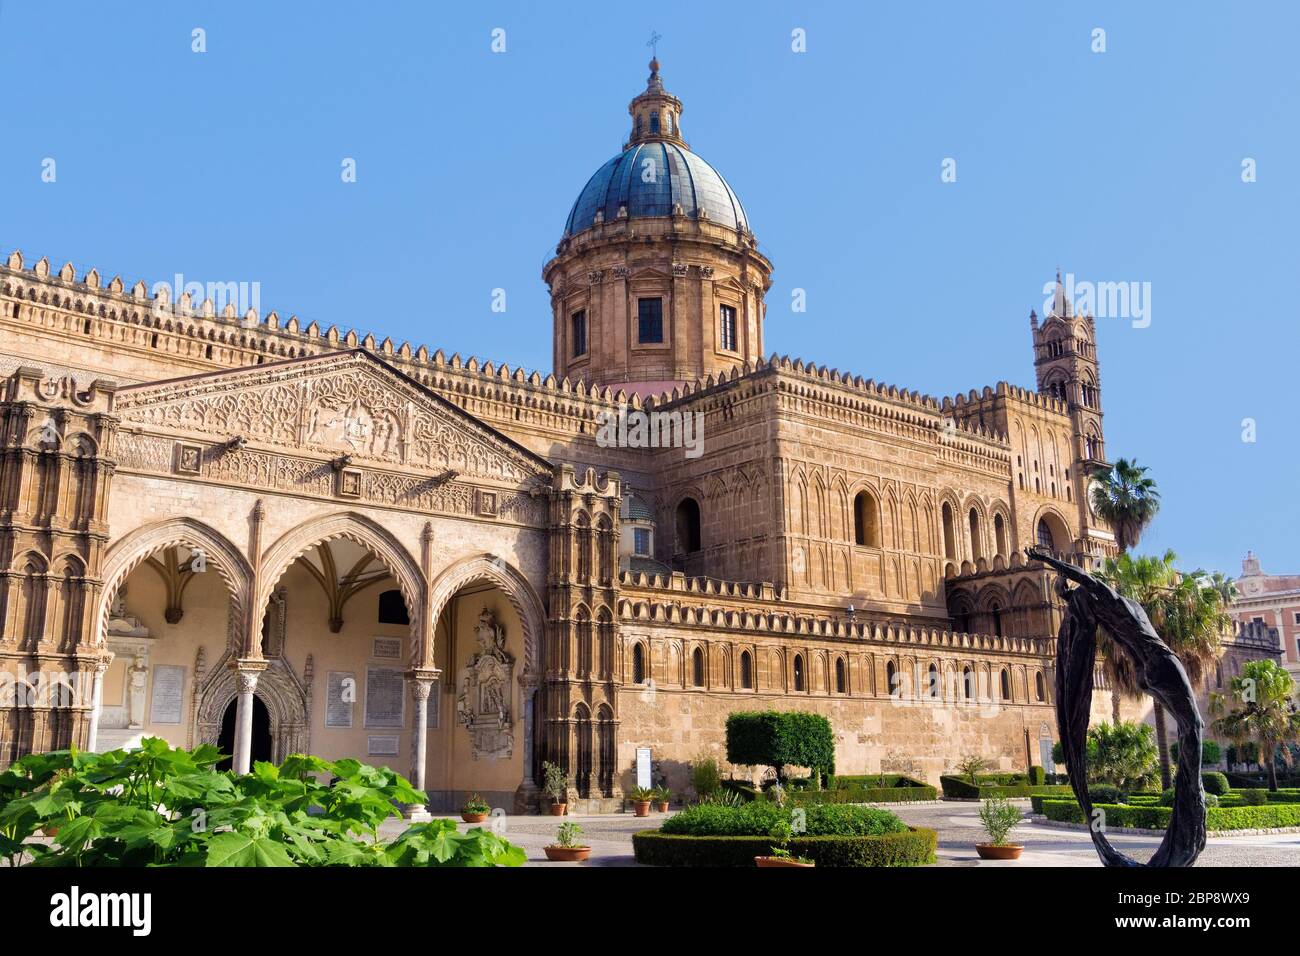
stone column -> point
(246, 673)
(421, 687)
(97, 701)
(528, 795)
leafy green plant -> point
(781, 833)
(476, 804)
(555, 781)
(1123, 755)
(662, 795)
(706, 776)
(971, 766)
(567, 835)
(1266, 715)
(999, 817)
(641, 794)
(160, 806)
(779, 739)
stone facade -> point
(245, 530)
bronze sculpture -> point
(1159, 672)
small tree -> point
(1266, 714)
(706, 777)
(779, 739)
(971, 766)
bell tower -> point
(658, 279)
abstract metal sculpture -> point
(1159, 672)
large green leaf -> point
(238, 849)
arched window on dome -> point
(578, 332)
(654, 122)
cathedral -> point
(231, 527)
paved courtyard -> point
(610, 836)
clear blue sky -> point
(1120, 166)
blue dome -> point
(680, 177)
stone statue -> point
(483, 704)
(1159, 672)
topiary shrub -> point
(1037, 776)
(1215, 783)
(778, 739)
(1105, 793)
(758, 818)
(1253, 797)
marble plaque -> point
(381, 746)
(388, 648)
(340, 695)
(385, 697)
(168, 689)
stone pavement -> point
(610, 836)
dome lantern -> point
(656, 113)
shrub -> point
(1253, 797)
(1124, 755)
(1167, 799)
(779, 739)
(1104, 793)
(901, 794)
(971, 766)
(706, 776)
(1157, 818)
(1210, 752)
(999, 818)
(1037, 776)
(912, 847)
(959, 788)
(1215, 783)
(137, 808)
(758, 818)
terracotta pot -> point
(559, 809)
(663, 806)
(1009, 851)
(50, 832)
(473, 817)
(641, 808)
(567, 854)
(773, 862)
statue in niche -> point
(483, 704)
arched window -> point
(1000, 534)
(866, 520)
(638, 664)
(932, 686)
(746, 670)
(654, 122)
(688, 526)
(995, 611)
(968, 683)
(1006, 684)
(798, 672)
(949, 536)
(976, 546)
(891, 680)
(1045, 539)
(392, 609)
(841, 678)
(697, 667)
(1040, 692)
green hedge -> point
(781, 738)
(907, 794)
(758, 818)
(960, 787)
(915, 847)
(1157, 818)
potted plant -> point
(781, 856)
(475, 810)
(641, 797)
(556, 785)
(999, 818)
(663, 797)
(566, 848)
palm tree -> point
(1127, 500)
(1186, 610)
(1268, 715)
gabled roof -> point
(340, 403)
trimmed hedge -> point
(1157, 818)
(758, 818)
(781, 738)
(1214, 782)
(909, 794)
(914, 847)
(960, 787)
